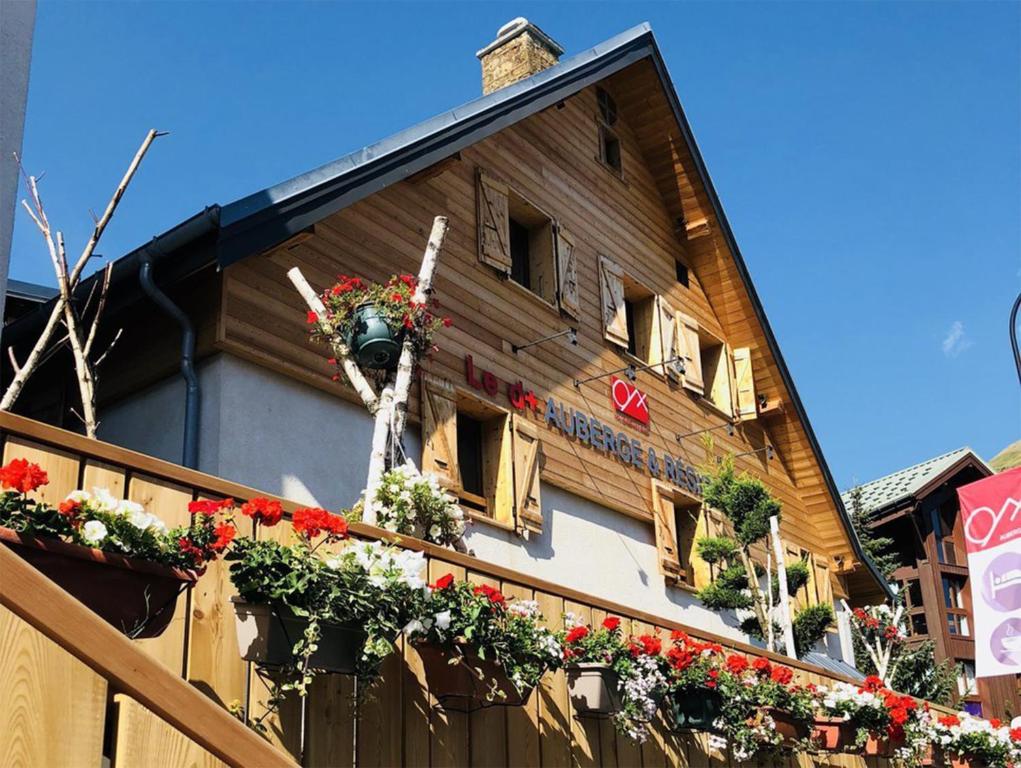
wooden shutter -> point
(567, 274)
(722, 394)
(823, 584)
(744, 384)
(498, 469)
(494, 223)
(527, 500)
(687, 327)
(439, 431)
(611, 287)
(665, 522)
(666, 345)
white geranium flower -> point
(128, 508)
(104, 500)
(139, 518)
(79, 496)
(333, 563)
(413, 627)
(435, 532)
(93, 531)
(442, 619)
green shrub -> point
(810, 625)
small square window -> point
(609, 146)
(918, 624)
(682, 274)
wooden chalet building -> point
(577, 199)
(918, 508)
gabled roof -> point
(257, 222)
(905, 484)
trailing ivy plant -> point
(748, 505)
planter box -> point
(946, 759)
(833, 734)
(792, 730)
(267, 636)
(595, 689)
(135, 596)
(696, 710)
(882, 747)
(470, 684)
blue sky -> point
(868, 156)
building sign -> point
(629, 400)
(589, 431)
(991, 510)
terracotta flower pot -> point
(594, 688)
(371, 340)
(471, 683)
(834, 734)
(882, 747)
(786, 725)
(944, 758)
(696, 709)
(267, 636)
(135, 596)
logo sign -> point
(991, 510)
(629, 400)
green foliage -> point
(732, 578)
(745, 501)
(21, 514)
(918, 674)
(715, 549)
(875, 546)
(719, 598)
(810, 626)
(797, 577)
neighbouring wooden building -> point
(577, 199)
(918, 508)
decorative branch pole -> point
(882, 652)
(390, 406)
(64, 309)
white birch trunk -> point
(781, 576)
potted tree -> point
(110, 554)
(478, 649)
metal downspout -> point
(192, 400)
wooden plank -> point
(554, 701)
(654, 753)
(54, 613)
(330, 723)
(629, 751)
(142, 737)
(488, 727)
(381, 716)
(61, 467)
(98, 474)
(522, 722)
(449, 730)
(46, 690)
(169, 502)
(585, 738)
(607, 733)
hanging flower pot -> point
(371, 340)
(834, 734)
(883, 747)
(594, 688)
(470, 683)
(267, 636)
(696, 709)
(135, 596)
(942, 757)
(790, 728)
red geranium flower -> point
(494, 596)
(872, 684)
(762, 666)
(311, 522)
(447, 322)
(646, 644)
(898, 715)
(443, 581)
(782, 675)
(69, 507)
(995, 722)
(312, 317)
(186, 547)
(1015, 734)
(225, 533)
(611, 623)
(22, 475)
(262, 510)
(949, 720)
(576, 634)
(208, 506)
(736, 664)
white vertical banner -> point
(991, 510)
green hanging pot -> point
(696, 709)
(371, 340)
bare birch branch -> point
(109, 348)
(351, 369)
(13, 359)
(100, 306)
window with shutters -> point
(686, 515)
(716, 372)
(533, 261)
(630, 313)
(485, 456)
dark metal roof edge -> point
(22, 289)
(760, 313)
(266, 218)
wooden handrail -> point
(53, 612)
(215, 486)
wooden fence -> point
(59, 711)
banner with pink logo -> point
(991, 510)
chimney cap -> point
(516, 27)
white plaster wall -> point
(277, 435)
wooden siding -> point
(551, 159)
(398, 724)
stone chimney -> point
(520, 50)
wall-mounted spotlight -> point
(570, 333)
(729, 426)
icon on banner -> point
(629, 400)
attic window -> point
(609, 143)
(682, 274)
